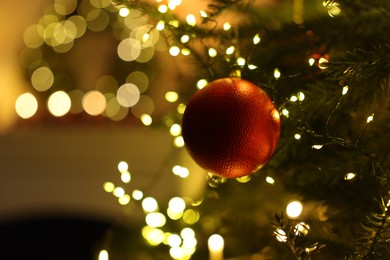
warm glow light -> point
(185, 38)
(128, 95)
(109, 187)
(137, 195)
(270, 180)
(175, 130)
(203, 14)
(230, 50)
(174, 240)
(59, 103)
(191, 216)
(179, 141)
(277, 73)
(285, 112)
(244, 179)
(149, 204)
(302, 229)
(42, 79)
(294, 209)
(212, 52)
(256, 39)
(215, 244)
(227, 26)
(181, 108)
(293, 98)
(177, 204)
(171, 96)
(317, 146)
(301, 96)
(349, 176)
(297, 136)
(311, 61)
(370, 118)
(191, 20)
(124, 200)
(322, 63)
(185, 51)
(103, 255)
(94, 103)
(163, 9)
(123, 166)
(281, 236)
(180, 171)
(26, 105)
(241, 61)
(155, 219)
(119, 192)
(124, 12)
(187, 233)
(126, 177)
(154, 236)
(174, 51)
(201, 83)
(129, 49)
(146, 119)
(160, 25)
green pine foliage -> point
(349, 218)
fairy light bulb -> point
(191, 20)
(256, 39)
(294, 209)
(227, 26)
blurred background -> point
(79, 83)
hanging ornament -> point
(231, 127)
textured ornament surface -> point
(231, 127)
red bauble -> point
(231, 127)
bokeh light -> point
(294, 209)
(26, 105)
(42, 78)
(59, 103)
(128, 95)
(94, 103)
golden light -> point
(179, 141)
(26, 105)
(317, 146)
(128, 95)
(103, 255)
(80, 24)
(244, 179)
(42, 79)
(349, 176)
(180, 171)
(312, 61)
(322, 63)
(146, 119)
(155, 219)
(149, 204)
(176, 252)
(277, 73)
(118, 192)
(124, 200)
(160, 25)
(297, 136)
(215, 245)
(370, 118)
(171, 96)
(181, 108)
(109, 187)
(191, 216)
(230, 50)
(154, 236)
(294, 209)
(185, 51)
(185, 38)
(270, 180)
(203, 14)
(191, 20)
(129, 49)
(59, 103)
(345, 90)
(175, 130)
(301, 96)
(64, 7)
(187, 232)
(281, 236)
(124, 12)
(285, 112)
(293, 98)
(241, 61)
(227, 26)
(125, 177)
(212, 52)
(162, 9)
(176, 204)
(94, 103)
(201, 83)
(137, 194)
(123, 166)
(256, 39)
(174, 240)
(174, 51)
(301, 229)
